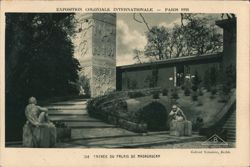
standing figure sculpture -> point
(38, 130)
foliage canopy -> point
(39, 55)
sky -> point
(131, 34)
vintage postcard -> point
(115, 83)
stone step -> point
(91, 133)
(84, 102)
(232, 139)
(231, 133)
(233, 115)
(231, 130)
(76, 112)
(95, 133)
(68, 120)
(229, 127)
(78, 107)
(89, 125)
(231, 120)
(230, 124)
(231, 136)
(51, 116)
(73, 117)
(133, 141)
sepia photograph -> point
(124, 83)
(120, 80)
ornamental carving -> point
(103, 80)
(104, 40)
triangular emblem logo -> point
(215, 140)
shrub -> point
(187, 91)
(174, 94)
(200, 92)
(224, 95)
(135, 94)
(200, 103)
(198, 123)
(194, 88)
(165, 92)
(213, 92)
(187, 86)
(194, 96)
(156, 95)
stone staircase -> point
(230, 127)
(224, 124)
(89, 132)
(74, 114)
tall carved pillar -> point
(95, 48)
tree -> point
(38, 62)
(157, 39)
(177, 42)
(202, 38)
(194, 37)
(137, 55)
(39, 55)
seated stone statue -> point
(177, 114)
(38, 130)
(179, 125)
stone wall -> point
(124, 109)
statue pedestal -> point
(181, 128)
(39, 137)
